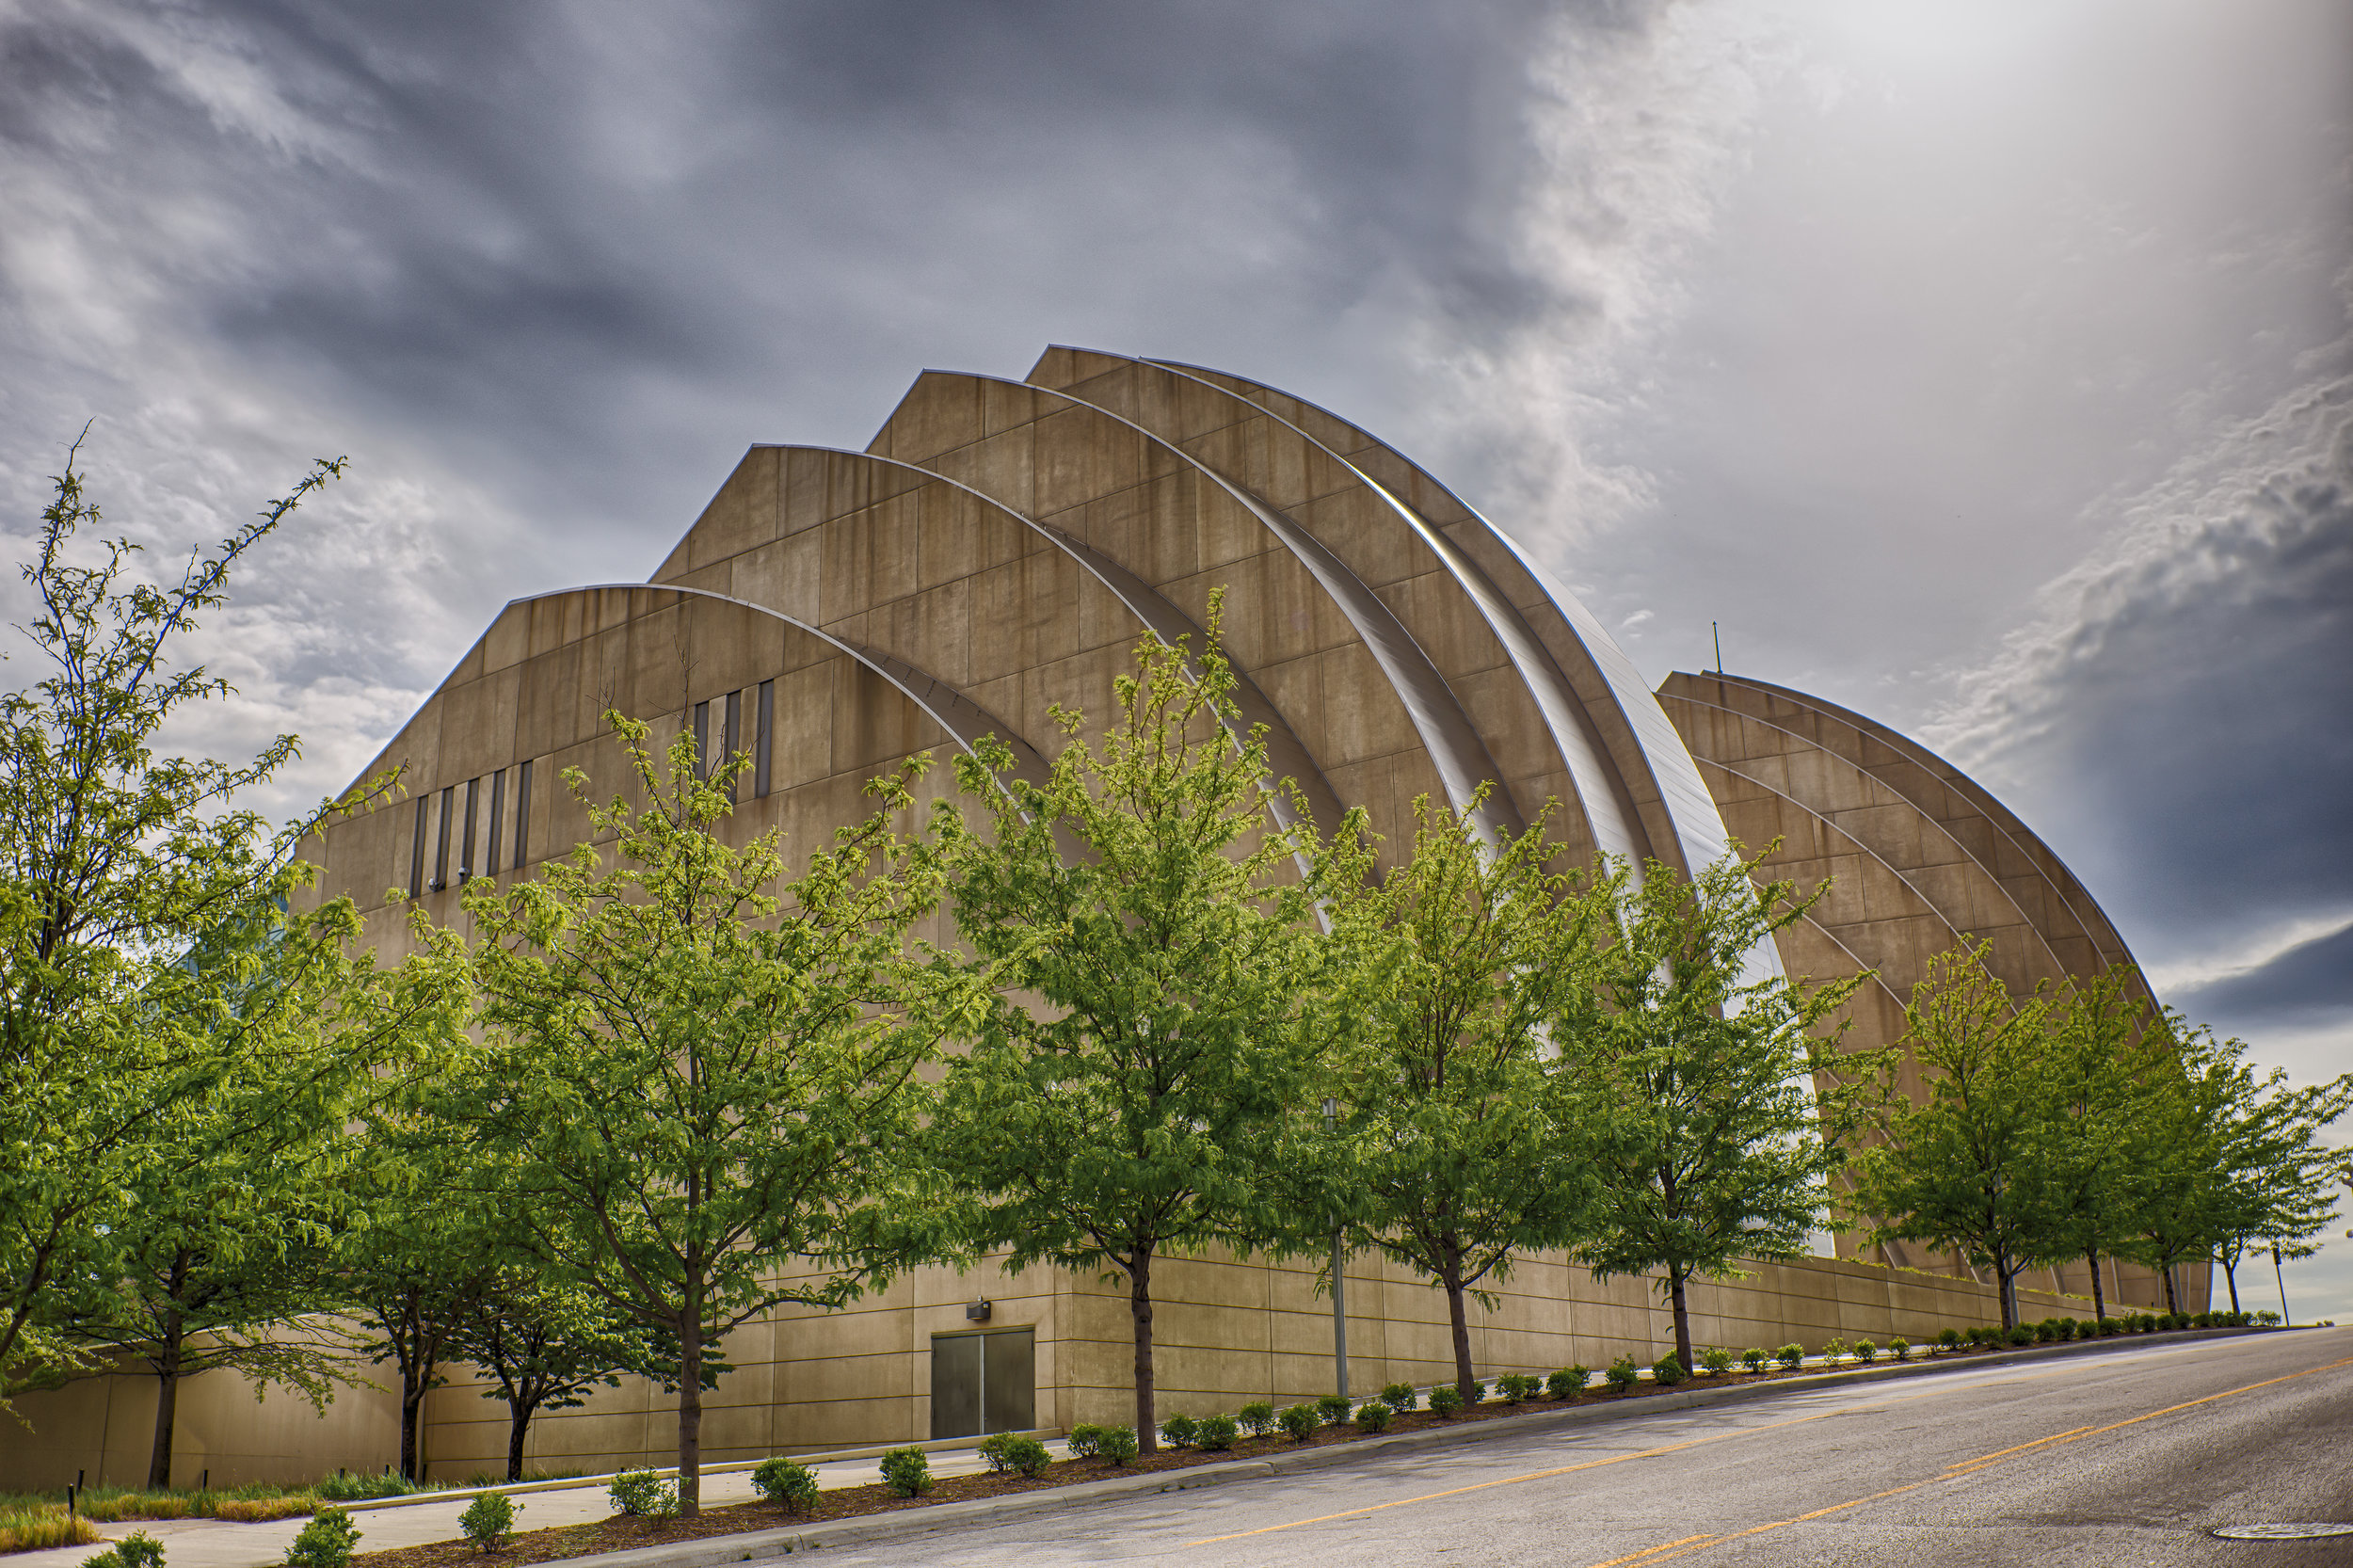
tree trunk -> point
(1458, 1319)
(2173, 1302)
(2230, 1272)
(1683, 1317)
(2099, 1302)
(1140, 1309)
(518, 1424)
(690, 1409)
(2006, 1275)
(166, 1405)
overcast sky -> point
(1983, 366)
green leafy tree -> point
(1681, 1083)
(1971, 1168)
(2278, 1180)
(1146, 896)
(702, 1069)
(547, 1344)
(1449, 1153)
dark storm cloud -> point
(2311, 983)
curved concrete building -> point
(1000, 548)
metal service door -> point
(984, 1383)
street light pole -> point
(2283, 1285)
(1340, 1283)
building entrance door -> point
(984, 1383)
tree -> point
(2278, 1181)
(1137, 1111)
(546, 1346)
(1682, 1078)
(1450, 1154)
(1971, 1169)
(700, 1068)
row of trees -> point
(671, 1085)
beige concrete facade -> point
(1000, 548)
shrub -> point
(1667, 1370)
(1300, 1420)
(1517, 1386)
(1716, 1361)
(2062, 1329)
(1086, 1440)
(642, 1494)
(1791, 1356)
(1755, 1358)
(1566, 1384)
(2267, 1318)
(1006, 1451)
(1866, 1351)
(782, 1481)
(1949, 1339)
(1179, 1432)
(1334, 1408)
(1373, 1416)
(1835, 1351)
(1116, 1444)
(28, 1529)
(1216, 1435)
(1477, 1393)
(1623, 1374)
(1256, 1417)
(137, 1550)
(2111, 1326)
(1445, 1400)
(2022, 1334)
(325, 1541)
(1400, 1396)
(908, 1471)
(491, 1517)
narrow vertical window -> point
(416, 851)
(523, 814)
(760, 741)
(498, 814)
(731, 738)
(702, 739)
(441, 849)
(465, 849)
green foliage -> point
(1667, 1371)
(547, 1344)
(1445, 1400)
(1566, 1384)
(1623, 1374)
(1949, 1339)
(908, 1471)
(1791, 1356)
(1517, 1386)
(1400, 1397)
(1683, 1083)
(325, 1541)
(642, 1494)
(1180, 1431)
(1755, 1358)
(488, 1520)
(1475, 1394)
(1373, 1416)
(1217, 1433)
(793, 1485)
(1146, 894)
(2267, 1318)
(1901, 1348)
(1256, 1417)
(360, 1485)
(137, 1550)
(1086, 1440)
(1116, 1444)
(1717, 1360)
(1010, 1451)
(1866, 1352)
(1836, 1350)
(1300, 1421)
(1333, 1409)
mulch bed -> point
(621, 1533)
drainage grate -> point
(2282, 1532)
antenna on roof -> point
(1720, 646)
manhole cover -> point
(2281, 1532)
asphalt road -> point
(2128, 1457)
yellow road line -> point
(1651, 1551)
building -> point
(1000, 546)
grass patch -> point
(27, 1530)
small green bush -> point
(1300, 1422)
(642, 1494)
(2021, 1335)
(1566, 1384)
(2043, 1331)
(137, 1550)
(2111, 1326)
(488, 1520)
(1716, 1361)
(1949, 1339)
(1445, 1400)
(908, 1471)
(1623, 1374)
(1373, 1416)
(1400, 1396)
(1477, 1393)
(1835, 1351)
(1515, 1387)
(1899, 1349)
(2267, 1318)
(1755, 1358)
(1667, 1370)
(1866, 1351)
(1256, 1417)
(1791, 1356)
(1116, 1444)
(1334, 1409)
(1216, 1434)
(325, 1541)
(1178, 1431)
(785, 1482)
(1086, 1440)
(1008, 1451)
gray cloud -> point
(2310, 983)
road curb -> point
(755, 1545)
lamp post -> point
(1340, 1285)
(2282, 1279)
